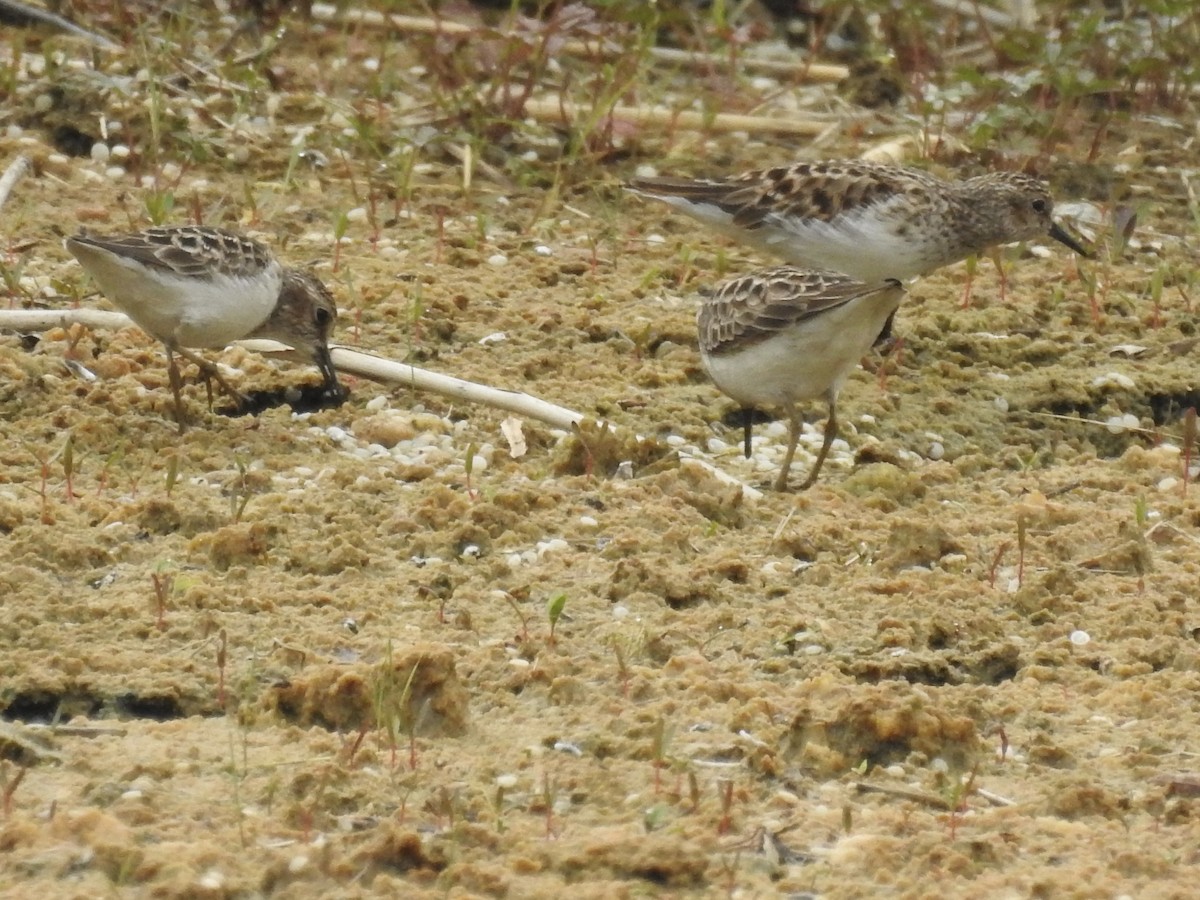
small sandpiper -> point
(783, 336)
(193, 286)
(866, 220)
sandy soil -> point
(964, 664)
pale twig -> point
(16, 170)
(922, 797)
(813, 72)
(552, 110)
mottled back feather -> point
(743, 311)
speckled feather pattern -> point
(868, 220)
(742, 312)
(189, 251)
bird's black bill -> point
(332, 387)
(1057, 232)
(747, 429)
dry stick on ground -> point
(812, 72)
(552, 110)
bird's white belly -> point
(805, 361)
(190, 312)
(864, 245)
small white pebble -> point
(937, 450)
(100, 153)
(1121, 424)
(1080, 638)
(554, 545)
(543, 250)
(114, 172)
(588, 522)
(676, 440)
(494, 338)
(620, 612)
(212, 880)
(1168, 484)
(375, 404)
(1001, 403)
(357, 215)
(716, 445)
(497, 259)
(506, 781)
(337, 435)
(297, 864)
(120, 151)
(1113, 379)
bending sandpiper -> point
(198, 287)
(783, 336)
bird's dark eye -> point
(322, 316)
(1039, 205)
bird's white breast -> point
(191, 312)
(804, 361)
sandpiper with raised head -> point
(866, 220)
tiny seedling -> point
(619, 645)
(512, 601)
(548, 803)
(554, 611)
(340, 225)
(958, 800)
(469, 465)
(159, 205)
(997, 558)
(1141, 513)
(1021, 527)
(172, 473)
(239, 494)
(8, 786)
(222, 657)
(1189, 444)
(660, 741)
(725, 794)
(163, 584)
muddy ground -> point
(311, 655)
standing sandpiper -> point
(866, 220)
(193, 286)
(782, 336)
